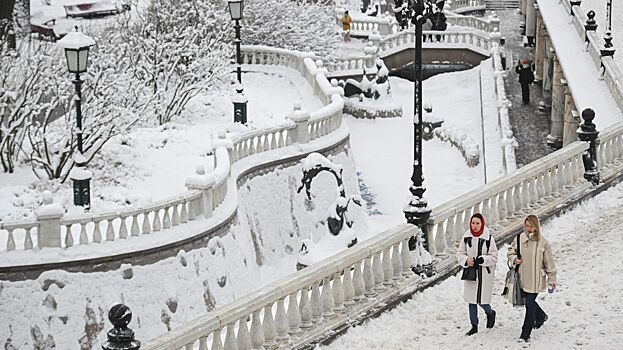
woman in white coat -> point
(478, 250)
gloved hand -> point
(479, 260)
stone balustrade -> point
(474, 40)
(508, 197)
(293, 310)
(610, 148)
(205, 191)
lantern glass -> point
(77, 59)
(235, 9)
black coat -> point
(525, 74)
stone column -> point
(548, 69)
(530, 22)
(539, 50)
(301, 118)
(554, 139)
(571, 117)
(49, 217)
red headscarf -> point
(482, 227)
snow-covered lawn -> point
(585, 312)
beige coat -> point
(538, 263)
(479, 291)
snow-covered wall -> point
(69, 310)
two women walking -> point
(478, 255)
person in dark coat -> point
(399, 8)
(526, 77)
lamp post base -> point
(418, 214)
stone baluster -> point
(146, 226)
(10, 243)
(230, 338)
(189, 346)
(269, 328)
(554, 181)
(156, 224)
(439, 238)
(281, 320)
(526, 189)
(175, 215)
(387, 267)
(449, 232)
(327, 299)
(204, 183)
(541, 179)
(494, 211)
(294, 316)
(203, 343)
(368, 278)
(110, 229)
(406, 258)
(316, 303)
(338, 293)
(69, 238)
(166, 218)
(569, 173)
(396, 263)
(534, 191)
(305, 309)
(216, 340)
(28, 239)
(485, 210)
(83, 239)
(134, 230)
(97, 233)
(49, 217)
(510, 203)
(244, 338)
(358, 282)
(257, 334)
(349, 290)
(519, 199)
(123, 229)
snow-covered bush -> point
(462, 141)
(178, 47)
(294, 24)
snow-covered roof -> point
(580, 72)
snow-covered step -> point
(501, 4)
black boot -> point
(538, 325)
(491, 319)
(473, 331)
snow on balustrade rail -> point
(614, 79)
(513, 195)
(487, 25)
(327, 119)
(293, 310)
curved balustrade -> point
(610, 148)
(474, 40)
(202, 198)
(474, 22)
(305, 303)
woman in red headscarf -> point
(478, 255)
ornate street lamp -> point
(416, 210)
(240, 101)
(77, 47)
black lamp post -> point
(417, 211)
(609, 14)
(240, 101)
(76, 47)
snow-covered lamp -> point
(76, 47)
(235, 9)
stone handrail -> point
(288, 312)
(610, 145)
(507, 196)
(460, 6)
(206, 191)
(611, 72)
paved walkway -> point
(529, 125)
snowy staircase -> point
(501, 4)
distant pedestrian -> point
(535, 266)
(346, 21)
(478, 255)
(526, 77)
(400, 13)
(502, 51)
(427, 25)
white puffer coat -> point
(479, 291)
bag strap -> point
(518, 248)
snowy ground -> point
(585, 312)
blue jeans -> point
(473, 312)
(534, 313)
